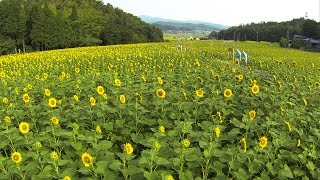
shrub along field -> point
(151, 111)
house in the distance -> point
(310, 43)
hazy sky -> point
(227, 12)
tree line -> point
(33, 25)
(270, 31)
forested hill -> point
(270, 31)
(50, 24)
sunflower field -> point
(152, 111)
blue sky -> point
(227, 12)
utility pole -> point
(288, 41)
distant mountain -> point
(170, 25)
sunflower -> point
(186, 143)
(37, 145)
(161, 93)
(86, 159)
(305, 102)
(117, 82)
(45, 76)
(77, 70)
(255, 89)
(47, 92)
(5, 100)
(143, 78)
(169, 177)
(76, 98)
(16, 157)
(67, 178)
(160, 81)
(98, 129)
(100, 90)
(52, 102)
(26, 98)
(239, 77)
(263, 142)
(244, 141)
(54, 120)
(299, 143)
(227, 93)
(217, 131)
(184, 95)
(289, 126)
(2, 74)
(29, 86)
(156, 145)
(162, 129)
(92, 101)
(122, 99)
(7, 119)
(54, 155)
(128, 149)
(24, 127)
(252, 114)
(199, 93)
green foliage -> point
(284, 42)
(310, 28)
(47, 24)
(7, 45)
(264, 31)
(298, 44)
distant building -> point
(308, 42)
(299, 37)
(313, 43)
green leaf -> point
(241, 174)
(143, 160)
(85, 170)
(176, 161)
(286, 171)
(226, 157)
(62, 162)
(161, 161)
(103, 145)
(77, 146)
(69, 171)
(115, 165)
(147, 175)
(185, 175)
(311, 166)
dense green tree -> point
(309, 28)
(13, 21)
(38, 27)
(264, 31)
(51, 24)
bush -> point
(297, 44)
(283, 42)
